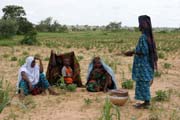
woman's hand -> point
(30, 86)
(129, 53)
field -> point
(81, 105)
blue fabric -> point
(43, 83)
(107, 68)
(142, 69)
(142, 91)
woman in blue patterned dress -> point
(145, 62)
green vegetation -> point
(162, 95)
(167, 65)
(61, 84)
(4, 94)
(87, 101)
(110, 111)
(128, 84)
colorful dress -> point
(142, 71)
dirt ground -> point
(71, 105)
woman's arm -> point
(40, 64)
(24, 77)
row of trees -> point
(14, 22)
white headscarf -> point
(32, 73)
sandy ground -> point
(71, 105)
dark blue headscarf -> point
(146, 28)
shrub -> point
(8, 28)
(30, 38)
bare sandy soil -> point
(71, 105)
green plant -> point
(87, 101)
(71, 87)
(6, 55)
(162, 95)
(25, 53)
(157, 74)
(61, 84)
(128, 84)
(80, 57)
(161, 55)
(4, 94)
(8, 28)
(21, 61)
(13, 58)
(30, 38)
(110, 111)
(167, 65)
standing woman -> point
(145, 62)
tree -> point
(13, 12)
(24, 26)
(114, 26)
(8, 28)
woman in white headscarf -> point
(31, 79)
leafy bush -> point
(8, 28)
(30, 38)
(127, 84)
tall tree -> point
(13, 12)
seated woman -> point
(100, 76)
(31, 79)
(67, 72)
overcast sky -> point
(164, 13)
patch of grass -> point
(4, 94)
(87, 101)
(61, 84)
(46, 59)
(21, 61)
(14, 58)
(157, 74)
(161, 55)
(5, 55)
(71, 87)
(162, 95)
(128, 84)
(167, 65)
(80, 57)
(110, 111)
(25, 53)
